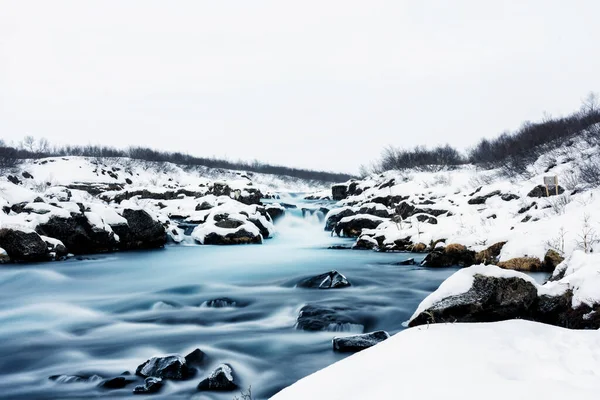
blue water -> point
(109, 313)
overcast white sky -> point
(319, 84)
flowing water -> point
(107, 314)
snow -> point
(502, 360)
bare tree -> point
(591, 104)
(43, 145)
(588, 237)
(28, 143)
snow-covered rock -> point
(484, 293)
(221, 379)
(354, 343)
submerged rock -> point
(220, 303)
(118, 382)
(335, 319)
(23, 246)
(167, 367)
(351, 344)
(328, 280)
(195, 358)
(221, 379)
(151, 385)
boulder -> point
(333, 217)
(275, 211)
(376, 210)
(250, 196)
(540, 191)
(339, 191)
(314, 317)
(205, 205)
(151, 385)
(509, 196)
(195, 358)
(78, 235)
(26, 175)
(13, 179)
(389, 200)
(141, 232)
(489, 299)
(365, 242)
(483, 199)
(449, 256)
(352, 226)
(240, 236)
(115, 383)
(167, 367)
(352, 344)
(328, 280)
(427, 219)
(4, 258)
(23, 246)
(221, 379)
(551, 260)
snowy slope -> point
(529, 225)
(502, 360)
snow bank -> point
(499, 361)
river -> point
(106, 314)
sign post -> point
(551, 181)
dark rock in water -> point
(339, 247)
(451, 255)
(221, 379)
(75, 378)
(118, 382)
(58, 249)
(288, 206)
(195, 358)
(23, 246)
(328, 280)
(482, 199)
(354, 225)
(151, 385)
(339, 192)
(408, 261)
(489, 299)
(351, 344)
(78, 235)
(275, 212)
(314, 317)
(168, 367)
(220, 302)
(264, 231)
(332, 220)
(241, 236)
(540, 191)
(141, 232)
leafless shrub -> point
(589, 172)
(558, 243)
(588, 237)
(558, 203)
(245, 395)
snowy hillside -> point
(60, 205)
(425, 211)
